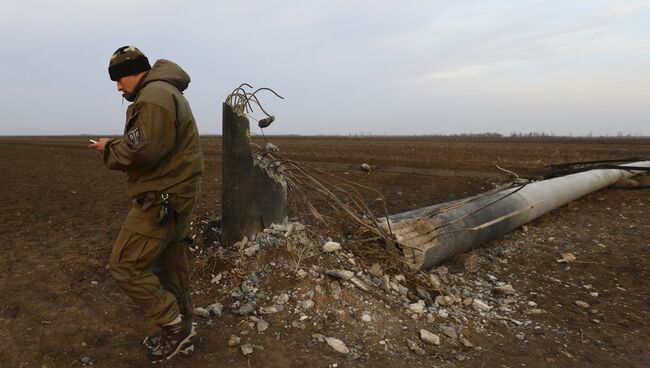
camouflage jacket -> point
(160, 150)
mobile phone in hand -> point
(92, 141)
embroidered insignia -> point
(134, 136)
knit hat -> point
(127, 60)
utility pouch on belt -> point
(166, 214)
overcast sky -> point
(379, 67)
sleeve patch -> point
(134, 136)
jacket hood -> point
(162, 70)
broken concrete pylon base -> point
(251, 198)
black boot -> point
(173, 340)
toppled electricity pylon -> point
(253, 193)
(428, 236)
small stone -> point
(282, 298)
(504, 290)
(250, 251)
(441, 300)
(242, 243)
(521, 336)
(415, 347)
(215, 309)
(417, 307)
(307, 304)
(466, 343)
(366, 318)
(429, 337)
(423, 293)
(331, 246)
(594, 294)
(376, 270)
(567, 258)
(261, 324)
(87, 360)
(443, 313)
(449, 331)
(341, 274)
(385, 283)
(480, 306)
(337, 345)
(403, 290)
(435, 281)
(532, 304)
(201, 312)
(246, 309)
(216, 279)
(270, 309)
(582, 304)
(335, 288)
(247, 349)
(234, 340)
(301, 273)
(365, 167)
(360, 283)
(461, 357)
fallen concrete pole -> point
(431, 235)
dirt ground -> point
(62, 210)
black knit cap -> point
(127, 60)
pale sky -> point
(371, 67)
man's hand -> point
(100, 145)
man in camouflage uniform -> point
(162, 158)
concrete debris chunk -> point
(435, 281)
(261, 324)
(335, 288)
(234, 340)
(466, 343)
(331, 246)
(385, 283)
(376, 270)
(415, 347)
(337, 345)
(359, 283)
(341, 274)
(246, 309)
(270, 309)
(215, 309)
(423, 293)
(417, 307)
(449, 331)
(201, 312)
(480, 306)
(504, 290)
(250, 251)
(307, 304)
(301, 273)
(282, 298)
(247, 349)
(429, 338)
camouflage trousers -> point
(149, 261)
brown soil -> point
(62, 211)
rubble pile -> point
(290, 279)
